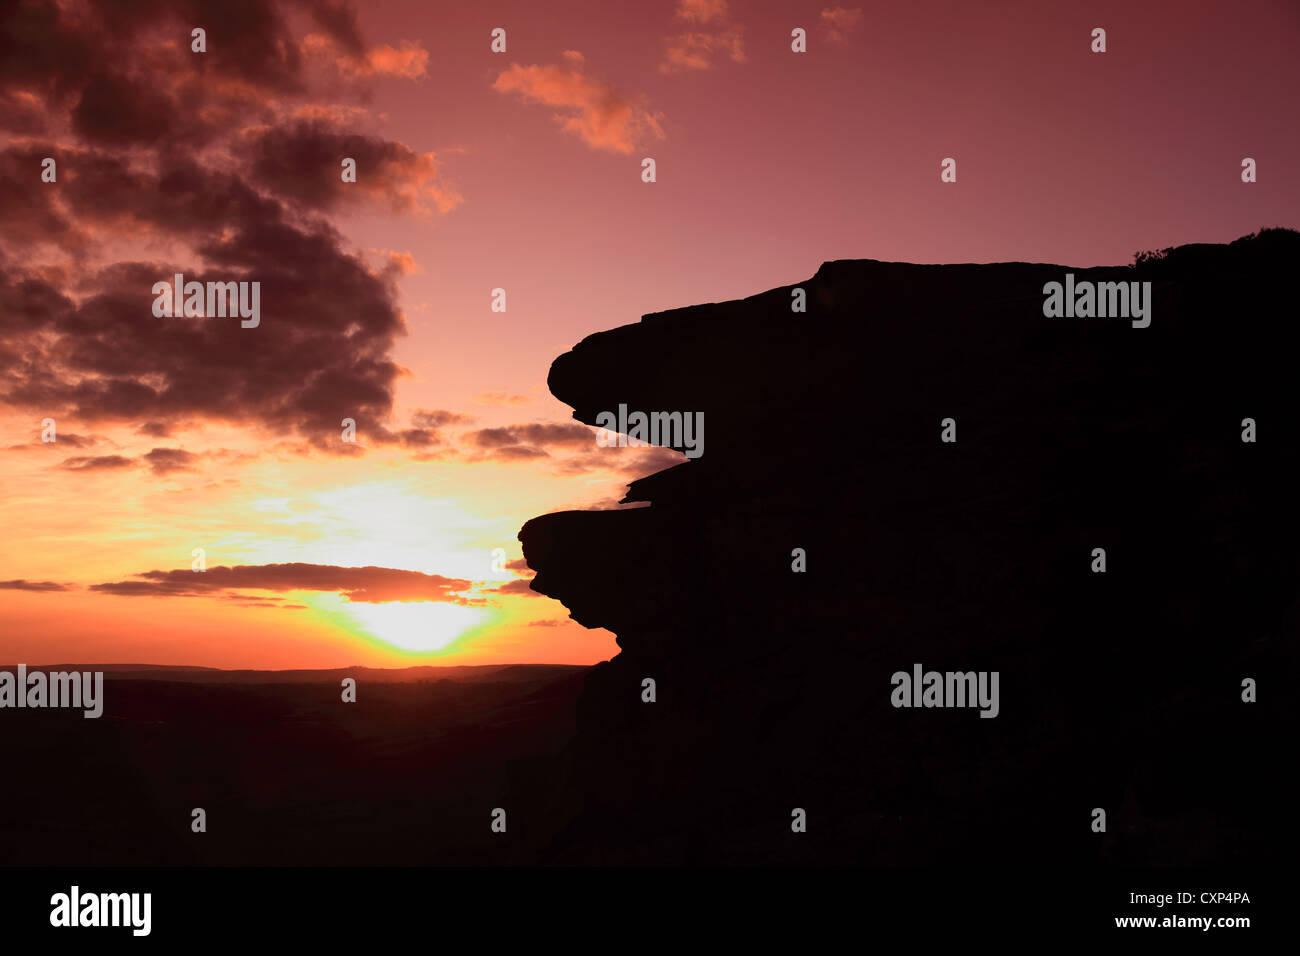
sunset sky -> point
(518, 170)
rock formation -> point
(1119, 690)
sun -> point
(415, 626)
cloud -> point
(426, 430)
(401, 263)
(702, 10)
(438, 418)
(713, 34)
(570, 447)
(123, 73)
(550, 623)
(605, 504)
(532, 440)
(555, 434)
(364, 585)
(587, 108)
(695, 51)
(629, 460)
(61, 438)
(320, 354)
(263, 601)
(418, 437)
(838, 23)
(21, 112)
(164, 461)
(21, 585)
(221, 165)
(500, 398)
(513, 453)
(97, 463)
(301, 161)
(521, 588)
(409, 61)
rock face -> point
(1120, 690)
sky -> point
(516, 169)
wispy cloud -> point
(410, 60)
(839, 22)
(702, 10)
(712, 34)
(500, 398)
(586, 107)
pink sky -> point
(518, 170)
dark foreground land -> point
(288, 774)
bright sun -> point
(419, 626)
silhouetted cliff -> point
(1120, 690)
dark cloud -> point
(427, 430)
(154, 129)
(537, 434)
(61, 438)
(163, 461)
(520, 587)
(21, 112)
(124, 73)
(535, 440)
(30, 216)
(301, 162)
(123, 110)
(156, 429)
(368, 584)
(512, 453)
(419, 437)
(438, 418)
(320, 354)
(97, 463)
(532, 440)
(21, 585)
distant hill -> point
(395, 675)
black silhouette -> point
(1120, 690)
